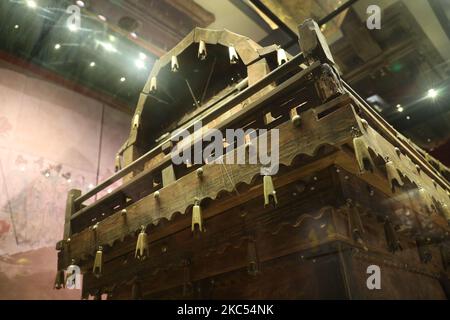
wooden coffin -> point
(351, 191)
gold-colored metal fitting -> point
(153, 86)
(136, 120)
(98, 262)
(364, 123)
(200, 173)
(270, 195)
(418, 168)
(354, 221)
(296, 120)
(281, 56)
(268, 118)
(142, 245)
(391, 236)
(202, 50)
(60, 280)
(197, 216)
(295, 117)
(252, 257)
(362, 154)
(233, 55)
(392, 175)
(117, 165)
(174, 64)
(426, 199)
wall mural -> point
(32, 216)
(50, 142)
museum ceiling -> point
(110, 56)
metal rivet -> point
(233, 55)
(364, 123)
(174, 64)
(296, 120)
(202, 50)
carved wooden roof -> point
(170, 98)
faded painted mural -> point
(51, 140)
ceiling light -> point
(72, 27)
(432, 93)
(133, 35)
(57, 46)
(142, 56)
(16, 26)
(408, 117)
(92, 64)
(107, 46)
(122, 79)
(80, 3)
(140, 64)
(103, 18)
(400, 109)
(32, 4)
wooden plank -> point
(229, 122)
(70, 210)
(168, 176)
(303, 140)
(244, 94)
(391, 135)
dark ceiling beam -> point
(287, 30)
(252, 14)
(439, 11)
(264, 9)
(336, 12)
(392, 54)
